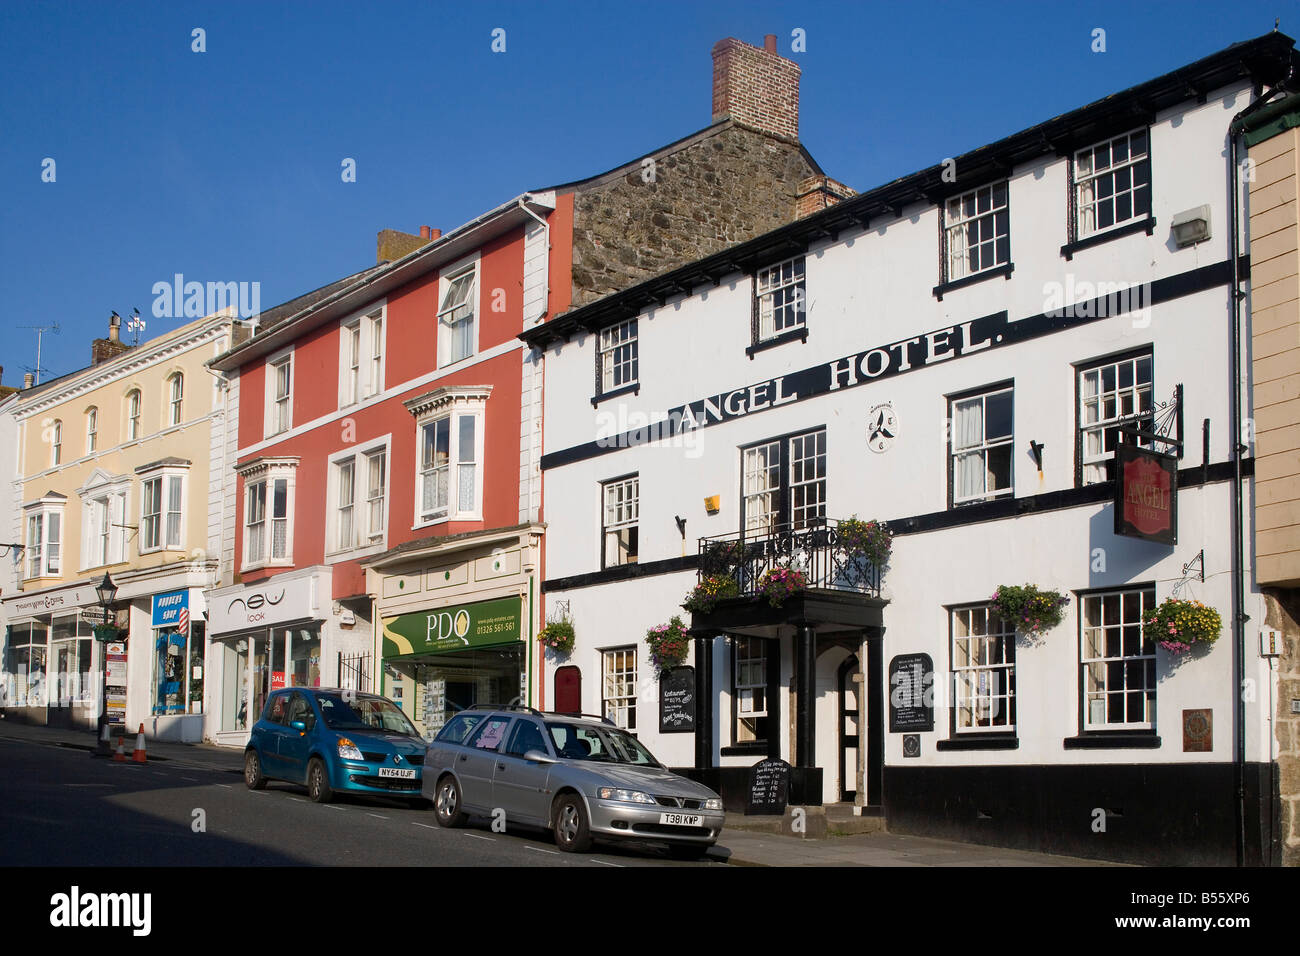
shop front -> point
(458, 621)
(263, 637)
(51, 662)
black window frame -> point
(1129, 227)
(1004, 269)
(631, 388)
(952, 398)
(1078, 369)
(784, 486)
(797, 333)
(635, 537)
(772, 657)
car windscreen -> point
(600, 744)
(364, 713)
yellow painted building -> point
(121, 472)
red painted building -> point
(384, 495)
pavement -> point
(745, 841)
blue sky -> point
(225, 165)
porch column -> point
(704, 702)
(805, 722)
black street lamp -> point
(106, 591)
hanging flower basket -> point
(558, 636)
(1028, 609)
(105, 632)
(704, 597)
(668, 643)
(721, 558)
(1178, 626)
(777, 584)
(866, 539)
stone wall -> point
(1284, 614)
(719, 190)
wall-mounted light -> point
(681, 525)
(1036, 450)
(1191, 226)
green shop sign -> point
(452, 628)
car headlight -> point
(624, 796)
(714, 803)
(348, 750)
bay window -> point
(268, 510)
(162, 493)
(450, 443)
(44, 536)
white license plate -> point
(681, 819)
(395, 772)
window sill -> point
(355, 554)
(1007, 495)
(1114, 740)
(790, 335)
(944, 288)
(264, 565)
(985, 741)
(452, 517)
(633, 389)
(1147, 225)
(741, 750)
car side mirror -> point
(536, 756)
(299, 726)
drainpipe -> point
(546, 268)
(1239, 617)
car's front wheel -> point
(253, 775)
(446, 803)
(572, 831)
(318, 782)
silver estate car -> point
(581, 777)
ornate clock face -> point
(882, 427)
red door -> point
(568, 690)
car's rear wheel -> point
(253, 775)
(446, 803)
(318, 782)
(572, 831)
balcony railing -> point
(815, 551)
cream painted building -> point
(120, 472)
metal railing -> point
(815, 551)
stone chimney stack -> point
(101, 350)
(394, 244)
(756, 87)
(28, 379)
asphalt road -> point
(61, 807)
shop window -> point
(71, 662)
(984, 671)
(178, 671)
(1118, 660)
(24, 664)
(618, 688)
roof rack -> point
(531, 710)
(600, 717)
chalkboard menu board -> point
(677, 701)
(911, 693)
(769, 787)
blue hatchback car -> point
(335, 740)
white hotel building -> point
(940, 353)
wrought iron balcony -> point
(816, 551)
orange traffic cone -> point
(119, 756)
(139, 755)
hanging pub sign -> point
(1146, 494)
